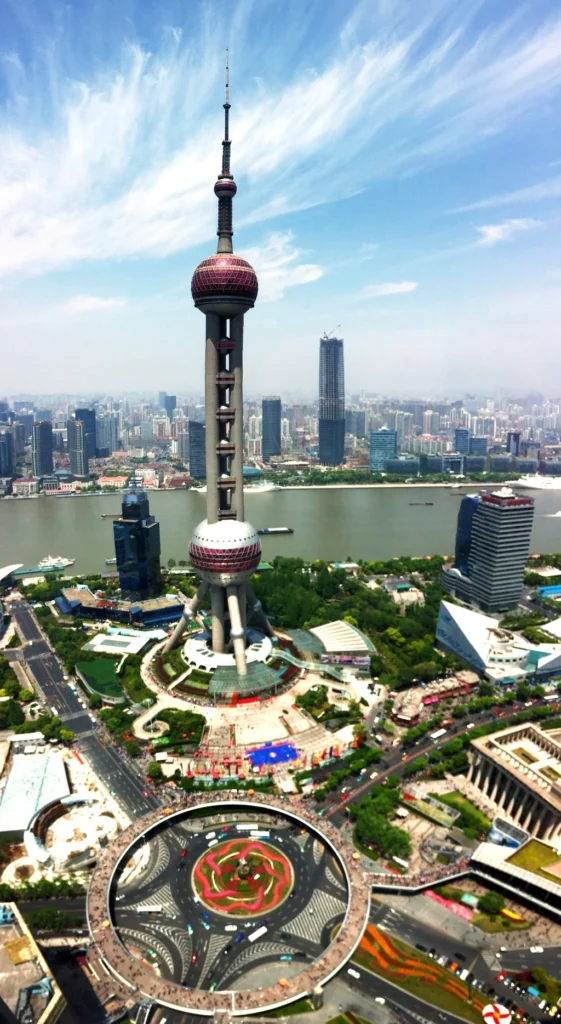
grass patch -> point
(131, 679)
(536, 857)
(101, 677)
(499, 924)
(418, 974)
(470, 815)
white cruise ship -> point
(538, 483)
(55, 562)
(262, 488)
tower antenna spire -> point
(225, 188)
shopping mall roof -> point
(102, 643)
(34, 782)
(341, 638)
(259, 678)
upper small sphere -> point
(225, 187)
(225, 284)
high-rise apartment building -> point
(492, 546)
(106, 433)
(42, 448)
(331, 401)
(461, 440)
(197, 450)
(271, 427)
(183, 446)
(137, 547)
(431, 422)
(146, 431)
(170, 402)
(18, 431)
(7, 454)
(383, 446)
(77, 448)
(87, 417)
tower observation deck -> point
(224, 548)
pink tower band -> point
(224, 549)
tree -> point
(154, 771)
(95, 701)
(132, 747)
(491, 903)
(171, 563)
(182, 562)
(65, 735)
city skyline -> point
(411, 202)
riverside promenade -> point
(137, 981)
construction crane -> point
(326, 337)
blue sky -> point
(399, 173)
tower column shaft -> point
(236, 335)
(236, 629)
(211, 409)
(217, 605)
(257, 610)
(189, 613)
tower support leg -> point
(217, 603)
(237, 632)
(257, 609)
(189, 613)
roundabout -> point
(192, 909)
(243, 878)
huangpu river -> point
(328, 523)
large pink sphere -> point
(224, 552)
(225, 188)
(225, 284)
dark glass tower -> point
(466, 513)
(137, 547)
(331, 401)
(87, 416)
(42, 448)
(77, 443)
(197, 455)
(271, 427)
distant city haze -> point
(398, 168)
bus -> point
(259, 835)
(257, 934)
(551, 696)
(157, 909)
(435, 736)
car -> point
(374, 775)
(452, 967)
(189, 930)
(553, 1011)
(442, 960)
(227, 948)
(542, 1004)
(231, 928)
(205, 925)
(536, 949)
(144, 792)
(380, 1000)
(194, 957)
(183, 852)
(422, 948)
(459, 956)
(501, 976)
(240, 937)
(204, 914)
(285, 956)
(353, 973)
(432, 953)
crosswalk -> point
(215, 946)
(148, 941)
(254, 953)
(324, 908)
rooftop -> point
(27, 982)
(531, 755)
(34, 781)
(341, 638)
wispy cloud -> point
(548, 189)
(117, 162)
(90, 304)
(490, 234)
(278, 268)
(379, 291)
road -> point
(121, 778)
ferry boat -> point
(262, 488)
(421, 502)
(55, 562)
(111, 561)
(275, 529)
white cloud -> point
(549, 189)
(277, 266)
(90, 304)
(490, 234)
(379, 291)
(122, 164)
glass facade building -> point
(77, 448)
(137, 547)
(478, 446)
(197, 453)
(271, 427)
(87, 417)
(383, 446)
(461, 440)
(331, 402)
(42, 448)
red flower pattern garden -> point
(242, 877)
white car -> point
(374, 775)
(231, 928)
(536, 949)
(380, 1000)
(353, 973)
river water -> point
(328, 523)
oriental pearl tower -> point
(224, 548)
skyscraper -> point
(461, 440)
(271, 427)
(383, 446)
(478, 446)
(42, 448)
(513, 442)
(77, 448)
(137, 547)
(106, 433)
(170, 402)
(492, 546)
(161, 400)
(7, 454)
(224, 548)
(87, 416)
(197, 450)
(331, 401)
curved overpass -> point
(140, 982)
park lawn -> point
(410, 970)
(461, 803)
(500, 924)
(131, 679)
(101, 676)
(535, 856)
